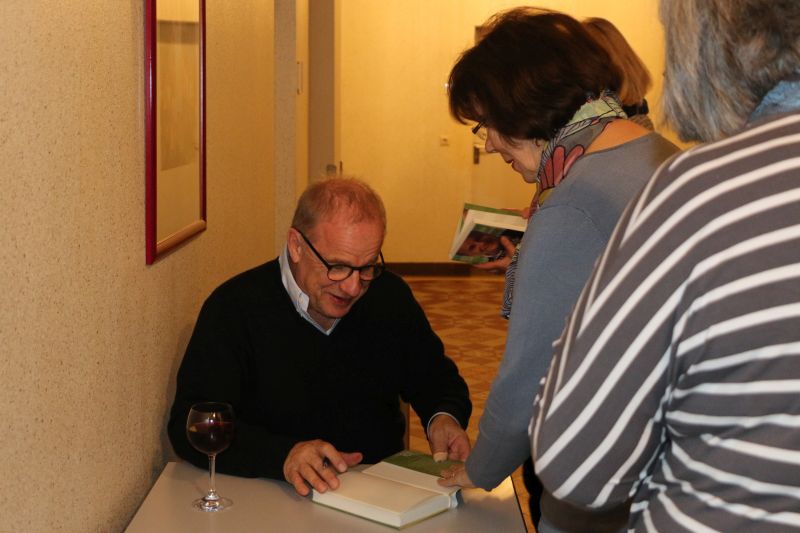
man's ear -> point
(293, 244)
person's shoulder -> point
(663, 142)
(653, 143)
(755, 146)
(251, 283)
(388, 296)
(638, 160)
(390, 285)
(764, 133)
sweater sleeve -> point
(557, 255)
(431, 381)
(215, 368)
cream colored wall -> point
(285, 104)
(394, 62)
(301, 106)
(90, 338)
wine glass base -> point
(212, 506)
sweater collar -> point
(296, 294)
(783, 98)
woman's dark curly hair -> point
(530, 73)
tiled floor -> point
(464, 312)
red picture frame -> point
(157, 244)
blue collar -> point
(783, 98)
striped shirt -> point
(677, 379)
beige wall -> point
(301, 104)
(90, 337)
(394, 62)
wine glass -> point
(209, 428)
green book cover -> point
(420, 462)
(487, 209)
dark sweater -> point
(289, 382)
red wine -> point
(210, 436)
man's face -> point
(340, 242)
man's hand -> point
(456, 475)
(316, 462)
(448, 439)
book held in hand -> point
(398, 491)
(477, 238)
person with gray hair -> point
(315, 349)
(676, 380)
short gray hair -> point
(722, 57)
(329, 197)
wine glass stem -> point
(212, 467)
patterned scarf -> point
(567, 145)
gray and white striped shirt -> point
(677, 379)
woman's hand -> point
(456, 475)
(500, 265)
(525, 212)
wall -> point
(394, 62)
(285, 104)
(322, 86)
(90, 338)
(301, 104)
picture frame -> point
(175, 125)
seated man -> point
(314, 351)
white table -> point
(269, 505)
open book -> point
(398, 491)
(477, 238)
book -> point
(477, 237)
(398, 491)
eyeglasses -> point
(480, 130)
(340, 272)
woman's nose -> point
(489, 145)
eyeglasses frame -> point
(379, 267)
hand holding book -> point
(456, 476)
(500, 264)
(479, 233)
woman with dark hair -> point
(544, 90)
(635, 77)
(676, 381)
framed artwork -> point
(175, 140)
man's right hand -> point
(317, 463)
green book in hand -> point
(398, 491)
